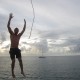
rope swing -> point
(32, 19)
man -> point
(14, 50)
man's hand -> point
(10, 16)
(9, 21)
(23, 28)
(24, 21)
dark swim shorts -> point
(15, 52)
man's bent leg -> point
(21, 66)
(12, 67)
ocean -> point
(49, 68)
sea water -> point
(49, 68)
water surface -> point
(49, 68)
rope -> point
(33, 19)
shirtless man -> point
(14, 50)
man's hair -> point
(16, 29)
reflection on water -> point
(49, 68)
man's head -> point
(16, 30)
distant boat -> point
(42, 56)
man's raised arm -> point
(8, 25)
(23, 28)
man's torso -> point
(14, 40)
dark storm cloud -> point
(72, 43)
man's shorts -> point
(15, 52)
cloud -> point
(3, 37)
(75, 49)
(40, 46)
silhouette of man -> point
(14, 50)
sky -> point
(56, 29)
